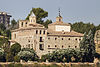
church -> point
(43, 40)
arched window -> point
(22, 24)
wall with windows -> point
(23, 24)
(60, 42)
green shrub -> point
(16, 59)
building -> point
(5, 19)
(33, 35)
(97, 41)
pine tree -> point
(88, 46)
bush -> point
(43, 58)
(28, 54)
(9, 57)
(16, 59)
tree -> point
(66, 55)
(28, 54)
(9, 57)
(15, 48)
(2, 27)
(8, 34)
(16, 58)
(47, 22)
(2, 57)
(88, 46)
(82, 27)
(98, 27)
(13, 24)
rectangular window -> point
(41, 47)
(41, 39)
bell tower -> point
(32, 18)
(59, 18)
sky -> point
(71, 10)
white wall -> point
(62, 28)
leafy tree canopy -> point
(2, 26)
(82, 27)
(28, 54)
(15, 48)
(66, 55)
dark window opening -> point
(48, 38)
(28, 40)
(62, 38)
(22, 24)
(59, 20)
(79, 39)
(36, 31)
(76, 39)
(62, 46)
(68, 46)
(55, 45)
(41, 47)
(26, 24)
(49, 51)
(48, 45)
(68, 38)
(44, 32)
(75, 46)
(40, 31)
(55, 38)
(41, 39)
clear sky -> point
(71, 10)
